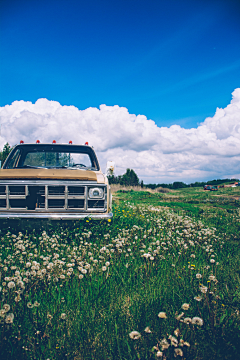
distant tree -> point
(130, 178)
(5, 152)
(141, 184)
(179, 185)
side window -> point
(13, 162)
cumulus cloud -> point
(157, 154)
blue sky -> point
(173, 61)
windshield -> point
(48, 156)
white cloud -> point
(157, 154)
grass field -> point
(161, 280)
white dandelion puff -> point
(178, 352)
(147, 330)
(187, 320)
(6, 307)
(11, 284)
(162, 315)
(185, 306)
(135, 335)
(197, 321)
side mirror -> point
(110, 168)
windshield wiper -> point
(31, 167)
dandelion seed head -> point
(162, 315)
(178, 352)
(185, 306)
(135, 335)
(147, 330)
(9, 318)
(197, 321)
(187, 320)
(6, 307)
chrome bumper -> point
(55, 216)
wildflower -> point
(9, 318)
(212, 261)
(36, 303)
(187, 320)
(164, 344)
(11, 284)
(197, 321)
(173, 340)
(178, 317)
(104, 268)
(6, 307)
(159, 354)
(198, 276)
(178, 352)
(80, 276)
(2, 312)
(177, 332)
(30, 305)
(63, 316)
(198, 298)
(203, 289)
(185, 306)
(162, 315)
(135, 335)
(212, 277)
(147, 330)
(17, 298)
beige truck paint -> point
(63, 174)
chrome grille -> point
(62, 197)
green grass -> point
(122, 274)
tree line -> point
(130, 178)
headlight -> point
(95, 193)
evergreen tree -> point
(5, 152)
(130, 178)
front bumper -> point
(55, 216)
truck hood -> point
(63, 174)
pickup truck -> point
(54, 181)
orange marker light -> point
(21, 142)
(38, 142)
(86, 143)
(70, 142)
(54, 142)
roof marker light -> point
(86, 143)
(38, 142)
(70, 142)
(21, 142)
(54, 142)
